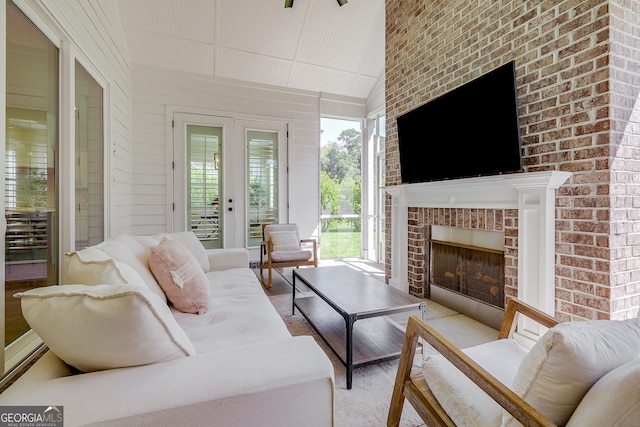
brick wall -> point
(578, 77)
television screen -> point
(470, 131)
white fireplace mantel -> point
(532, 193)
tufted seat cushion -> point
(464, 401)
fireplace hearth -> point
(474, 272)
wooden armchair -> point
(282, 247)
(413, 385)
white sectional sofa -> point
(132, 358)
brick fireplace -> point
(578, 92)
(530, 196)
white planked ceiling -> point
(316, 45)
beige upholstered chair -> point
(575, 375)
(413, 385)
(282, 247)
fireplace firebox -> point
(474, 272)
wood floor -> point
(15, 325)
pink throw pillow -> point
(180, 276)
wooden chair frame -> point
(414, 388)
(266, 247)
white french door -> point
(265, 177)
(229, 178)
(203, 191)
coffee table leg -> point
(350, 320)
(293, 296)
(423, 311)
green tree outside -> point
(340, 194)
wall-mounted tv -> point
(470, 131)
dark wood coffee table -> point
(343, 296)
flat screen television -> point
(470, 131)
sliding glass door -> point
(31, 167)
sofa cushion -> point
(569, 359)
(92, 266)
(180, 276)
(464, 401)
(240, 314)
(128, 250)
(191, 242)
(105, 326)
(613, 401)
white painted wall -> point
(136, 123)
(156, 89)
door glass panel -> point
(204, 167)
(89, 203)
(262, 168)
(31, 189)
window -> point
(262, 168)
(31, 182)
(204, 147)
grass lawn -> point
(340, 244)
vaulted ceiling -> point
(316, 45)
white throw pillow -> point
(126, 249)
(105, 326)
(91, 266)
(563, 365)
(285, 241)
(613, 401)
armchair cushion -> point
(291, 256)
(286, 247)
(104, 326)
(285, 241)
(570, 358)
(464, 401)
(614, 400)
